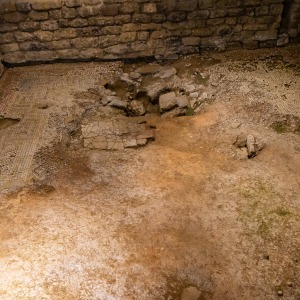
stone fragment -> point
(149, 69)
(194, 95)
(182, 101)
(131, 143)
(142, 142)
(167, 102)
(283, 39)
(177, 112)
(135, 75)
(137, 108)
(125, 77)
(242, 153)
(147, 134)
(166, 72)
(116, 102)
(190, 88)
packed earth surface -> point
(152, 179)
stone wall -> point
(293, 20)
(49, 30)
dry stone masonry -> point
(50, 30)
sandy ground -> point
(181, 218)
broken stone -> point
(166, 72)
(142, 142)
(148, 135)
(280, 293)
(131, 143)
(194, 95)
(116, 102)
(242, 153)
(167, 102)
(190, 88)
(182, 101)
(148, 69)
(135, 75)
(283, 39)
(125, 77)
(137, 108)
(177, 112)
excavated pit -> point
(173, 180)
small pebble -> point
(266, 256)
(289, 284)
(280, 293)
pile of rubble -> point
(153, 89)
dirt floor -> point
(93, 206)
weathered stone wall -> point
(293, 19)
(47, 30)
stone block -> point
(117, 49)
(149, 8)
(7, 6)
(55, 14)
(56, 45)
(107, 41)
(23, 6)
(127, 37)
(85, 42)
(68, 53)
(109, 10)
(101, 21)
(33, 46)
(276, 9)
(43, 36)
(87, 11)
(29, 26)
(217, 13)
(198, 14)
(65, 33)
(69, 12)
(176, 16)
(14, 17)
(5, 48)
(141, 18)
(129, 7)
(92, 53)
(190, 5)
(191, 41)
(38, 15)
(7, 38)
(8, 27)
(72, 3)
(122, 19)
(23, 36)
(158, 18)
(49, 25)
(46, 4)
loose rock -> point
(137, 108)
(116, 102)
(167, 102)
(177, 112)
(148, 69)
(166, 72)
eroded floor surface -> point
(102, 201)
